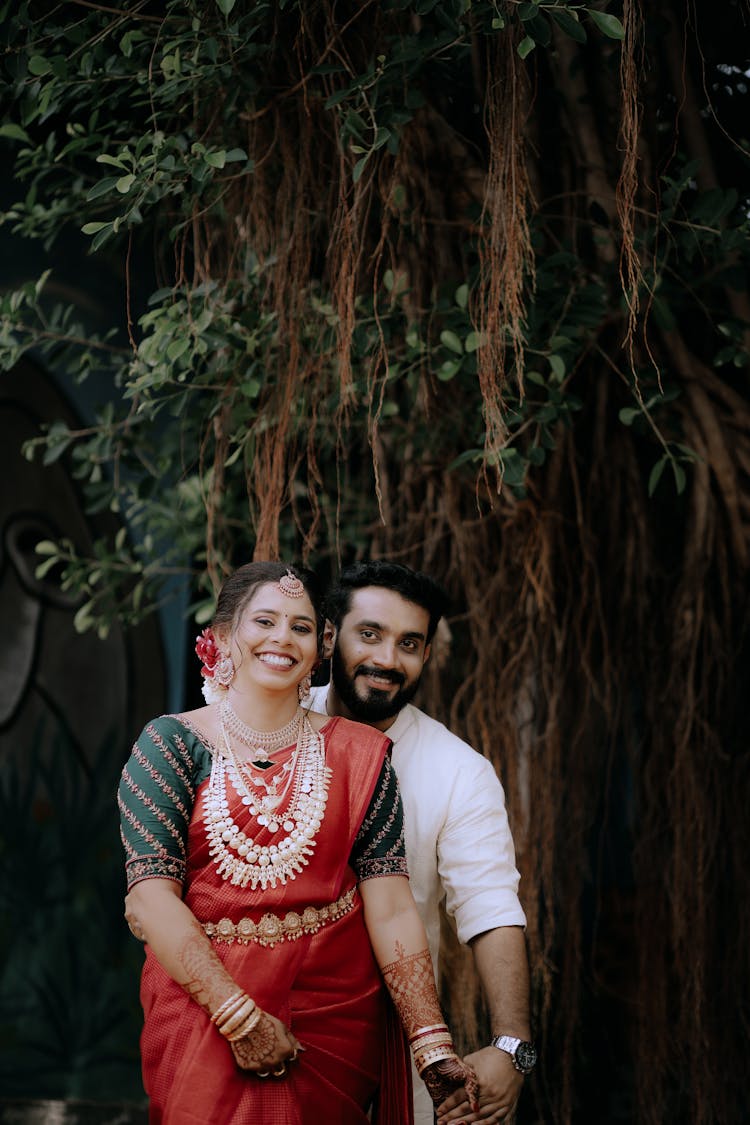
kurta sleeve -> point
(476, 858)
(155, 798)
(379, 848)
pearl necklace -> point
(260, 742)
(238, 857)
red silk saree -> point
(324, 984)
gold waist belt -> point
(272, 928)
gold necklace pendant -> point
(238, 856)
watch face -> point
(525, 1057)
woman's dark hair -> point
(412, 585)
(239, 588)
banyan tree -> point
(463, 284)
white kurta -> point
(458, 842)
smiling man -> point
(382, 619)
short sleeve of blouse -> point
(155, 798)
(379, 848)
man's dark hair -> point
(410, 584)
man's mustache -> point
(384, 674)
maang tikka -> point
(290, 585)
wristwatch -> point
(522, 1053)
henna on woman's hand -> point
(250, 1051)
(269, 1044)
(443, 1078)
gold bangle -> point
(439, 1039)
(249, 1025)
(428, 1030)
(230, 1003)
(236, 1019)
(433, 1055)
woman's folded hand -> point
(267, 1048)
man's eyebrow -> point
(413, 634)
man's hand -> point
(499, 1089)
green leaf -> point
(251, 388)
(216, 159)
(680, 479)
(628, 415)
(448, 370)
(104, 187)
(462, 296)
(93, 228)
(115, 161)
(83, 619)
(557, 363)
(359, 167)
(567, 20)
(607, 24)
(45, 566)
(467, 455)
(450, 340)
(656, 473)
(101, 237)
(41, 281)
(178, 347)
(539, 29)
(337, 98)
(225, 6)
(14, 132)
(46, 547)
(526, 46)
(473, 341)
(39, 65)
(125, 183)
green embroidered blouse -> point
(157, 791)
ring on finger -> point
(280, 1071)
(262, 1073)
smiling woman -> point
(267, 874)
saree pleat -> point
(325, 986)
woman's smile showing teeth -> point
(276, 660)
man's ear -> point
(427, 651)
(329, 639)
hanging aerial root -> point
(631, 272)
(505, 251)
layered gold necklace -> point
(292, 802)
(260, 743)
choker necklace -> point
(261, 743)
(294, 803)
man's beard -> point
(376, 705)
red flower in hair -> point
(207, 652)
